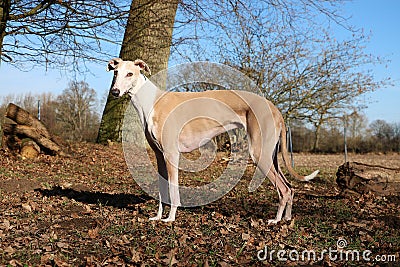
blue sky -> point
(380, 18)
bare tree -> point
(293, 58)
(356, 130)
(396, 139)
(59, 33)
(75, 112)
(383, 134)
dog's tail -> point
(286, 159)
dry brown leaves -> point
(88, 211)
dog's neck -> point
(146, 95)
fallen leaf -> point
(223, 264)
(135, 256)
(9, 250)
(62, 245)
(253, 223)
(6, 224)
(245, 236)
(60, 262)
(124, 240)
(224, 231)
(27, 207)
(47, 248)
(171, 260)
(182, 240)
(292, 224)
(15, 263)
(66, 185)
(88, 209)
(93, 233)
(356, 224)
(46, 258)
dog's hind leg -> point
(289, 203)
(285, 194)
(268, 164)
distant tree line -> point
(72, 115)
(361, 136)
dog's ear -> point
(142, 65)
(112, 64)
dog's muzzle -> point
(115, 92)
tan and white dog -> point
(171, 130)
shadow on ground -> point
(120, 200)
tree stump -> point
(21, 125)
(362, 178)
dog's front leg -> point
(172, 161)
(160, 210)
(162, 184)
(162, 197)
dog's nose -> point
(115, 92)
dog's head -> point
(127, 76)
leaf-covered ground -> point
(87, 210)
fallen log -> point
(23, 117)
(20, 125)
(29, 149)
(363, 178)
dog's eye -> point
(129, 74)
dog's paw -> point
(287, 218)
(168, 219)
(273, 221)
(156, 218)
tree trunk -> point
(4, 14)
(23, 125)
(316, 137)
(363, 178)
(148, 37)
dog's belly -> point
(200, 131)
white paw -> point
(168, 219)
(156, 218)
(273, 221)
